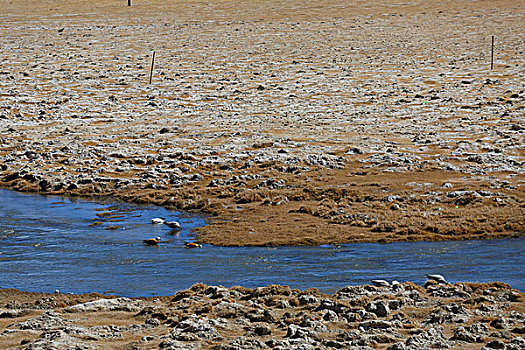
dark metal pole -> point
(129, 2)
(152, 62)
(492, 54)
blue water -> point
(47, 243)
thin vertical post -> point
(151, 71)
(129, 2)
(492, 54)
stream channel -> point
(50, 243)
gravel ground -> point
(395, 317)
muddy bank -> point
(402, 316)
(303, 123)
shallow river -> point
(49, 243)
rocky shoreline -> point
(399, 316)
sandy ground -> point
(292, 122)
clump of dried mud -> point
(303, 122)
(401, 316)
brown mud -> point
(304, 122)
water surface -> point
(73, 245)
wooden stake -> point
(492, 54)
(152, 62)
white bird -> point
(158, 221)
(172, 224)
(437, 278)
(380, 283)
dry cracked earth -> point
(304, 122)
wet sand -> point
(302, 122)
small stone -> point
(72, 187)
(330, 316)
(354, 150)
(462, 334)
(147, 338)
(397, 346)
(307, 322)
(395, 206)
(308, 299)
(295, 332)
(261, 330)
(519, 341)
(119, 304)
(390, 199)
(380, 308)
(375, 324)
(519, 330)
(395, 304)
(153, 322)
(494, 344)
(472, 334)
(196, 177)
(13, 313)
(499, 323)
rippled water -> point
(47, 243)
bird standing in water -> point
(172, 224)
(380, 283)
(437, 278)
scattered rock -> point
(356, 317)
(119, 304)
(494, 344)
(380, 308)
